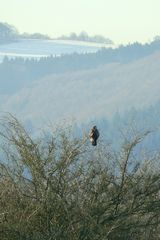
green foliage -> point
(58, 187)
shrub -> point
(58, 187)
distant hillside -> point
(89, 93)
(18, 73)
(81, 86)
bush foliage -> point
(57, 187)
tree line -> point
(83, 36)
(9, 34)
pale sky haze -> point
(123, 21)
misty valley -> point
(87, 87)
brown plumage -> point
(94, 135)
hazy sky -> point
(123, 21)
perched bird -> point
(94, 135)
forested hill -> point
(81, 85)
(82, 94)
(15, 72)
